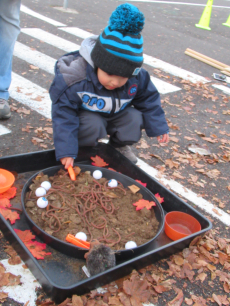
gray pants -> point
(124, 127)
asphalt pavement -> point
(196, 105)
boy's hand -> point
(163, 138)
(67, 161)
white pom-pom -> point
(46, 185)
(42, 202)
(81, 235)
(112, 183)
(40, 192)
(97, 174)
(130, 245)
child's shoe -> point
(127, 152)
(4, 109)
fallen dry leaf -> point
(178, 260)
(77, 301)
(145, 156)
(178, 300)
(171, 164)
(137, 289)
(188, 301)
(174, 139)
(178, 175)
(134, 188)
(34, 67)
(124, 299)
(201, 277)
(143, 145)
(3, 296)
(220, 300)
(38, 98)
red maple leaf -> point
(9, 214)
(159, 198)
(144, 203)
(98, 161)
(24, 235)
(144, 184)
(36, 248)
(9, 194)
(4, 203)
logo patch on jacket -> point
(132, 90)
(95, 103)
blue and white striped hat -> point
(119, 48)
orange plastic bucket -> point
(6, 180)
(179, 225)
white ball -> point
(81, 235)
(40, 192)
(42, 202)
(46, 185)
(130, 245)
(112, 183)
(97, 174)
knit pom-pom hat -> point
(119, 48)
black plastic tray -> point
(61, 275)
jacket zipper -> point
(114, 104)
(119, 99)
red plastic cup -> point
(179, 225)
(6, 180)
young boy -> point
(102, 90)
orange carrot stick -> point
(78, 242)
(72, 173)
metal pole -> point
(65, 4)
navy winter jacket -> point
(76, 86)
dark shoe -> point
(4, 109)
(127, 152)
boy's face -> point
(110, 82)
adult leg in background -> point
(9, 30)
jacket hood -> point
(71, 68)
(87, 47)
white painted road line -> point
(176, 71)
(177, 3)
(34, 57)
(77, 32)
(51, 39)
(164, 87)
(28, 11)
(225, 89)
(26, 292)
(187, 194)
(4, 130)
(31, 95)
